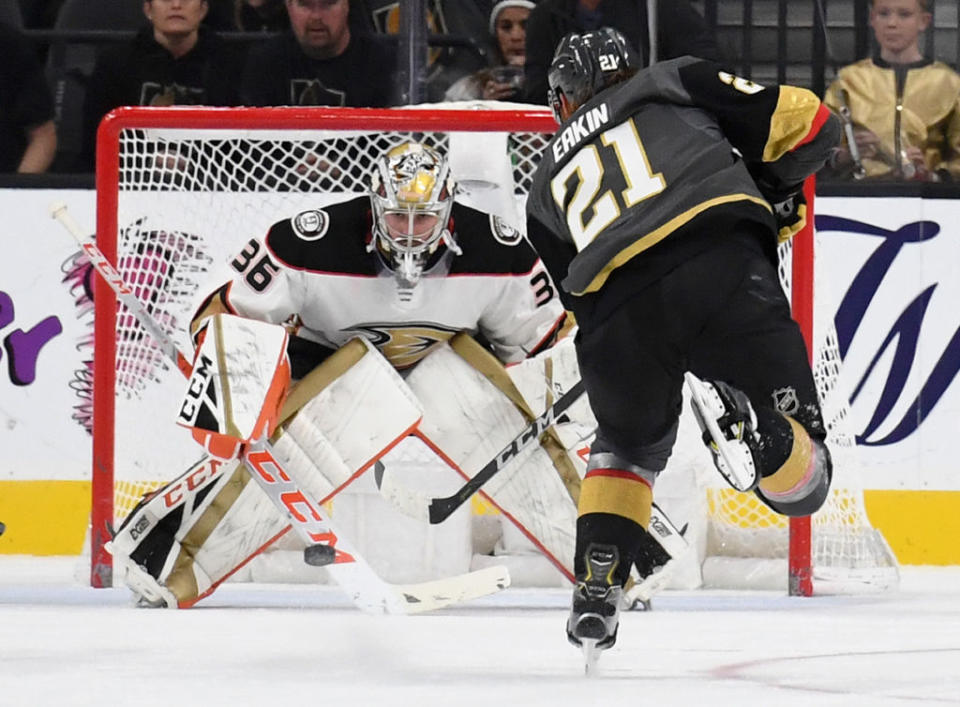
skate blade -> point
(591, 654)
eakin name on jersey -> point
(637, 168)
(315, 273)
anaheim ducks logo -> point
(404, 345)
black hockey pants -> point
(722, 315)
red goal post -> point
(162, 160)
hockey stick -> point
(436, 510)
(366, 589)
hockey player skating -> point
(657, 209)
(416, 275)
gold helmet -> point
(412, 194)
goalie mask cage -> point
(179, 189)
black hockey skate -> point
(595, 613)
(729, 427)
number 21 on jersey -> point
(588, 214)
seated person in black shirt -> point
(319, 63)
(174, 61)
(28, 138)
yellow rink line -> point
(50, 517)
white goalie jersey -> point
(318, 274)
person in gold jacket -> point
(904, 108)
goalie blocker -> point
(179, 544)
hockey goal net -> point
(179, 189)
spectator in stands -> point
(504, 80)
(173, 61)
(904, 109)
(28, 138)
(321, 61)
(681, 30)
(260, 15)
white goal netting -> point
(186, 188)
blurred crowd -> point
(901, 108)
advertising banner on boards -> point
(888, 274)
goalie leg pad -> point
(158, 545)
(468, 419)
(337, 421)
(472, 411)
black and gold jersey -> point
(647, 162)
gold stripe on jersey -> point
(182, 582)
(658, 234)
(622, 494)
(794, 470)
(493, 370)
(791, 121)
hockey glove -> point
(787, 201)
(790, 212)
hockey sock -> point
(776, 435)
(798, 483)
(614, 509)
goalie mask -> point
(412, 194)
(585, 64)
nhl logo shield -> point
(785, 400)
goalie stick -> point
(419, 505)
(366, 589)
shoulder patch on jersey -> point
(310, 225)
(503, 232)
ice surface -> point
(65, 644)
